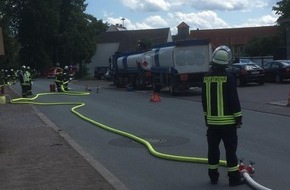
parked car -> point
(277, 70)
(52, 72)
(247, 72)
(99, 72)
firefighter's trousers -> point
(227, 134)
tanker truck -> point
(180, 66)
(177, 65)
(132, 69)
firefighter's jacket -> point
(220, 99)
(24, 78)
(65, 76)
(59, 78)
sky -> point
(198, 14)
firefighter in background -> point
(66, 78)
(6, 77)
(223, 116)
(24, 81)
(13, 76)
(29, 92)
(59, 81)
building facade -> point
(122, 40)
(236, 38)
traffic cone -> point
(155, 97)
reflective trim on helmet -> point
(222, 55)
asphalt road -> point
(174, 126)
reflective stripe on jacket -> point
(220, 99)
(24, 78)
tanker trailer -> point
(181, 65)
(133, 69)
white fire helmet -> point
(222, 55)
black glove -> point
(239, 125)
(239, 122)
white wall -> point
(101, 58)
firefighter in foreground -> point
(223, 116)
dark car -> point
(247, 72)
(99, 72)
(277, 70)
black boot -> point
(235, 178)
(213, 175)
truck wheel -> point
(115, 81)
(139, 83)
(156, 87)
(119, 82)
(172, 87)
(261, 82)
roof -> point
(116, 28)
(128, 39)
(233, 36)
(183, 25)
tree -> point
(269, 45)
(263, 46)
(282, 9)
(39, 22)
(11, 45)
(47, 32)
(76, 36)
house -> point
(124, 41)
(117, 27)
(236, 38)
(182, 32)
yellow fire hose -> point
(100, 125)
(150, 148)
